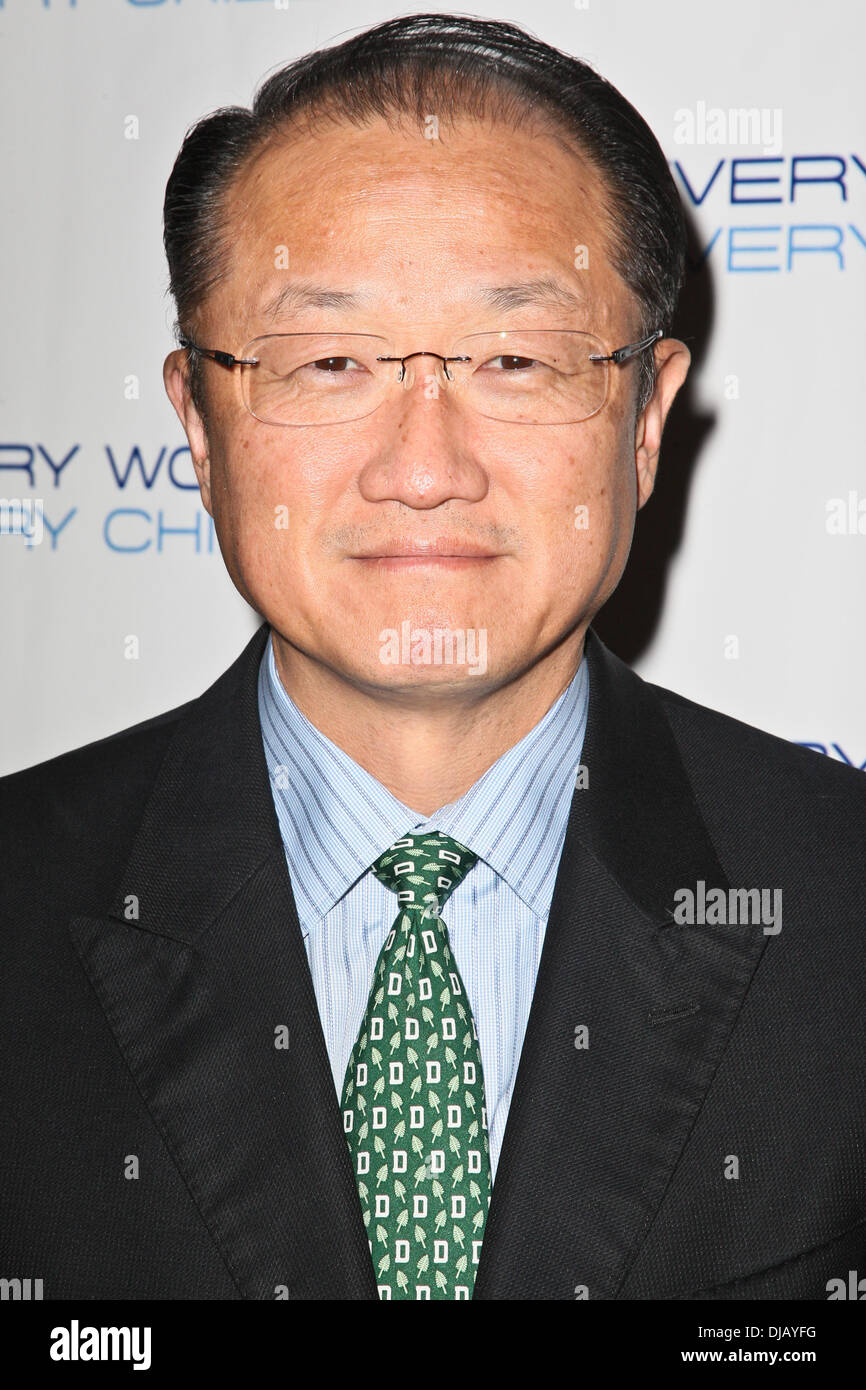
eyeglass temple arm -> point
(226, 359)
(630, 350)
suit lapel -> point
(594, 1132)
(201, 970)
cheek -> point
(604, 543)
(265, 490)
(581, 495)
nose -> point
(423, 455)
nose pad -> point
(438, 369)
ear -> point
(672, 359)
(175, 374)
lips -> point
(439, 548)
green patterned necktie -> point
(413, 1099)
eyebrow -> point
(291, 298)
(543, 290)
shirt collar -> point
(335, 818)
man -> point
(431, 953)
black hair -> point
(452, 65)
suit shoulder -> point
(138, 747)
(753, 755)
(72, 818)
(69, 823)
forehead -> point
(413, 225)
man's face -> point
(419, 227)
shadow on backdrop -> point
(629, 619)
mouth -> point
(439, 552)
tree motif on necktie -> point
(413, 1098)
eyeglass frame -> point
(228, 359)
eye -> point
(335, 365)
(511, 362)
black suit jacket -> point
(157, 1144)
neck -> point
(427, 746)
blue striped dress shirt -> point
(336, 819)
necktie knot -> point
(424, 870)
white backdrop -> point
(761, 609)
